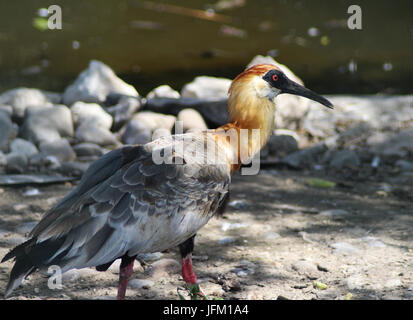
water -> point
(148, 45)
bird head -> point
(267, 81)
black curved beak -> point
(294, 88)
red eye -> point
(274, 77)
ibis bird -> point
(128, 203)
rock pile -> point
(43, 131)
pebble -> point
(163, 267)
(270, 236)
(123, 111)
(334, 213)
(355, 282)
(31, 192)
(344, 248)
(141, 284)
(282, 145)
(232, 226)
(226, 240)
(238, 204)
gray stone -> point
(32, 192)
(404, 165)
(344, 158)
(95, 134)
(90, 114)
(87, 149)
(21, 98)
(16, 163)
(397, 146)
(205, 87)
(46, 124)
(163, 91)
(123, 111)
(23, 146)
(3, 159)
(136, 132)
(191, 120)
(6, 130)
(304, 158)
(60, 149)
(75, 169)
(226, 240)
(282, 145)
(94, 85)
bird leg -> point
(188, 273)
(125, 272)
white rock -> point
(163, 91)
(95, 83)
(232, 226)
(191, 120)
(153, 120)
(90, 113)
(46, 124)
(21, 98)
(205, 87)
(344, 248)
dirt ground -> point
(280, 238)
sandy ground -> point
(280, 238)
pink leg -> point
(124, 275)
(187, 271)
(189, 275)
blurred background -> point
(149, 43)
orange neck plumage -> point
(251, 114)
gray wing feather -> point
(130, 207)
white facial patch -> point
(264, 90)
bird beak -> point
(294, 88)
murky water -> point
(150, 44)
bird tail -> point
(29, 256)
